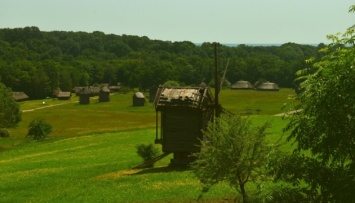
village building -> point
(56, 92)
(115, 88)
(184, 113)
(84, 95)
(77, 90)
(138, 99)
(242, 85)
(104, 95)
(64, 95)
(20, 96)
(267, 86)
(94, 91)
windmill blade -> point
(224, 75)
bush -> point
(233, 150)
(147, 152)
(39, 129)
(4, 132)
(10, 113)
(171, 83)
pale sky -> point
(224, 21)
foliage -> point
(232, 151)
(38, 62)
(102, 152)
(125, 90)
(38, 129)
(171, 83)
(10, 113)
(4, 132)
(324, 163)
(147, 151)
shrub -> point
(10, 113)
(233, 150)
(171, 83)
(4, 132)
(38, 129)
(147, 151)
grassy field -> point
(90, 154)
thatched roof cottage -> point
(138, 99)
(242, 85)
(268, 86)
(20, 96)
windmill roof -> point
(192, 97)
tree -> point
(10, 113)
(38, 129)
(322, 167)
(234, 151)
(171, 83)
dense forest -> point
(38, 62)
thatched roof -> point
(95, 91)
(105, 89)
(268, 86)
(19, 96)
(76, 90)
(56, 92)
(139, 95)
(114, 88)
(242, 84)
(64, 94)
(84, 90)
(192, 97)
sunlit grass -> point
(90, 154)
(267, 102)
(93, 168)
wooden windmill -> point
(184, 113)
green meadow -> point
(91, 151)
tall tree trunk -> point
(242, 190)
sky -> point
(197, 21)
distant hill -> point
(37, 62)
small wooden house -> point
(184, 113)
(64, 95)
(114, 88)
(19, 96)
(242, 85)
(56, 92)
(138, 99)
(94, 91)
(104, 95)
(84, 95)
(268, 86)
(77, 90)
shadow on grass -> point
(164, 169)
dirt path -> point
(288, 113)
(43, 107)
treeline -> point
(38, 62)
